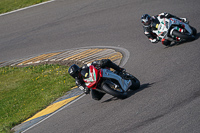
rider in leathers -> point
(75, 72)
(150, 22)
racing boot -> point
(166, 42)
(110, 64)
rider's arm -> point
(107, 63)
(152, 38)
(81, 85)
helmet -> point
(74, 70)
(85, 71)
(146, 19)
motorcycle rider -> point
(150, 23)
(80, 73)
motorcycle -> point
(113, 83)
(174, 30)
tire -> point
(194, 31)
(135, 81)
(113, 92)
(135, 84)
(183, 36)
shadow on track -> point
(131, 92)
(142, 87)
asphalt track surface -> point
(168, 100)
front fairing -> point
(162, 28)
(94, 77)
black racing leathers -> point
(148, 30)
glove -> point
(165, 15)
(86, 90)
(78, 82)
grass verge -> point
(10, 5)
(27, 90)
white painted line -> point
(26, 7)
(54, 113)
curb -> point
(49, 111)
(84, 55)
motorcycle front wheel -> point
(194, 31)
(135, 82)
(113, 92)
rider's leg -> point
(96, 95)
(166, 42)
(109, 63)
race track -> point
(168, 101)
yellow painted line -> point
(74, 56)
(70, 53)
(112, 57)
(81, 55)
(84, 54)
(74, 87)
(38, 58)
(90, 53)
(2, 62)
(45, 56)
(115, 57)
(52, 108)
(95, 56)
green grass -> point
(27, 90)
(10, 5)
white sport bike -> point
(174, 30)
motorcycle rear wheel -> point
(183, 36)
(113, 92)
